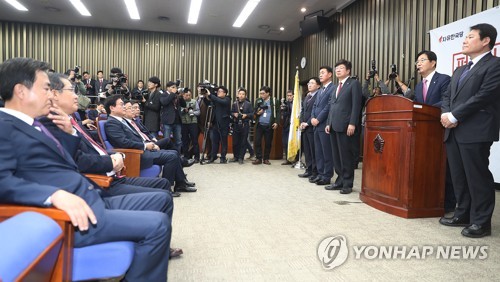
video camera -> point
(120, 78)
(76, 70)
(210, 88)
(394, 72)
(373, 71)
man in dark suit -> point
(319, 115)
(89, 83)
(307, 128)
(171, 104)
(152, 106)
(100, 84)
(267, 119)
(242, 112)
(471, 116)
(35, 169)
(343, 121)
(122, 135)
(219, 130)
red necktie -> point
(144, 136)
(86, 136)
(424, 89)
(340, 88)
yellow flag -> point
(294, 134)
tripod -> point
(205, 133)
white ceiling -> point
(216, 16)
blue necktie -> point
(466, 70)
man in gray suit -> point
(471, 116)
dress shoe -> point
(454, 221)
(266, 162)
(223, 161)
(286, 163)
(240, 161)
(346, 190)
(305, 174)
(333, 187)
(187, 163)
(323, 182)
(211, 161)
(313, 176)
(175, 194)
(257, 162)
(314, 180)
(189, 184)
(196, 160)
(184, 188)
(477, 231)
(233, 160)
(251, 157)
(175, 252)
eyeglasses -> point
(420, 61)
(69, 89)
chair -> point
(132, 161)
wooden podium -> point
(403, 158)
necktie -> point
(144, 136)
(424, 89)
(464, 73)
(308, 98)
(86, 136)
(338, 89)
(47, 133)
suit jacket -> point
(306, 111)
(91, 89)
(222, 110)
(32, 168)
(346, 108)
(320, 107)
(121, 136)
(152, 111)
(435, 90)
(100, 87)
(170, 112)
(476, 103)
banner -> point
(294, 134)
(446, 42)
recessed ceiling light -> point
(132, 9)
(17, 5)
(245, 13)
(282, 28)
(80, 8)
(303, 10)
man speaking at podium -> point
(471, 116)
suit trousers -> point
(343, 157)
(267, 132)
(190, 136)
(172, 165)
(219, 135)
(323, 154)
(472, 179)
(308, 144)
(240, 136)
(284, 140)
(141, 218)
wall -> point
(391, 31)
(232, 62)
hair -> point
(430, 55)
(100, 71)
(327, 68)
(242, 89)
(111, 101)
(266, 89)
(346, 63)
(116, 70)
(140, 80)
(134, 102)
(289, 91)
(169, 84)
(486, 30)
(224, 88)
(85, 72)
(18, 71)
(55, 81)
(316, 79)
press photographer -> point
(189, 118)
(118, 84)
(139, 93)
(267, 118)
(220, 123)
(401, 87)
(286, 113)
(171, 103)
(241, 111)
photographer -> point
(80, 90)
(171, 114)
(241, 111)
(220, 123)
(380, 87)
(152, 106)
(267, 118)
(118, 84)
(189, 118)
(139, 93)
(205, 111)
(286, 112)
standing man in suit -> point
(220, 124)
(343, 122)
(35, 169)
(152, 106)
(267, 117)
(100, 85)
(171, 105)
(319, 115)
(471, 116)
(89, 83)
(242, 112)
(307, 129)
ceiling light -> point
(282, 28)
(80, 8)
(245, 13)
(132, 9)
(194, 11)
(303, 10)
(16, 5)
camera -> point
(210, 88)
(190, 112)
(262, 106)
(394, 72)
(373, 71)
(283, 105)
(76, 69)
(120, 78)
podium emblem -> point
(378, 144)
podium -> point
(403, 158)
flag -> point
(294, 133)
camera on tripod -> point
(394, 72)
(373, 71)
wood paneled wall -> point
(232, 62)
(389, 31)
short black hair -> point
(430, 55)
(346, 63)
(116, 70)
(111, 101)
(140, 80)
(486, 30)
(327, 68)
(318, 82)
(170, 83)
(55, 81)
(85, 72)
(19, 71)
(100, 71)
(266, 89)
(224, 88)
(242, 89)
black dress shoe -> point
(187, 163)
(476, 231)
(333, 187)
(175, 194)
(189, 184)
(223, 161)
(184, 188)
(323, 182)
(305, 174)
(454, 221)
(346, 190)
(314, 180)
(174, 252)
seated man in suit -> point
(35, 169)
(121, 134)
